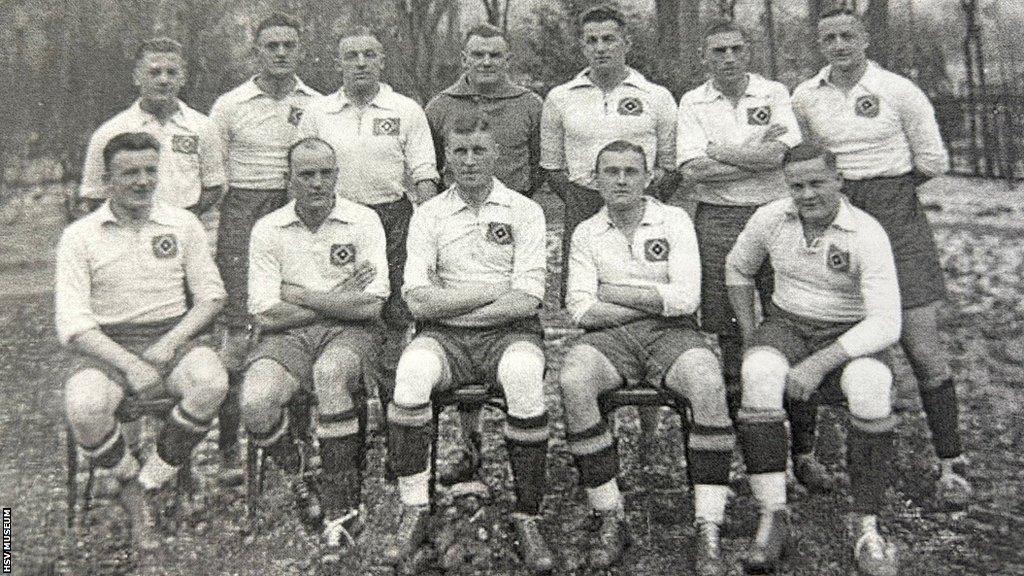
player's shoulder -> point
(675, 215)
(768, 86)
(358, 213)
(864, 224)
(773, 212)
(275, 219)
(401, 101)
(120, 122)
(234, 96)
(695, 95)
(174, 216)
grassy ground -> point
(984, 273)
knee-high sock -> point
(763, 440)
(113, 453)
(230, 414)
(870, 457)
(180, 434)
(527, 443)
(709, 454)
(803, 424)
(940, 408)
(596, 454)
(342, 456)
(409, 438)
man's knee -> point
(90, 395)
(696, 376)
(420, 369)
(263, 393)
(521, 376)
(867, 384)
(206, 380)
(764, 378)
(337, 372)
(579, 374)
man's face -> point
(159, 76)
(360, 61)
(621, 178)
(312, 175)
(486, 60)
(605, 45)
(278, 50)
(843, 41)
(471, 158)
(132, 177)
(815, 188)
(726, 56)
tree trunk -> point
(667, 19)
(876, 19)
(690, 48)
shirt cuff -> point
(68, 330)
(673, 301)
(425, 172)
(735, 278)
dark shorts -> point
(240, 210)
(643, 351)
(797, 337)
(894, 203)
(135, 338)
(297, 349)
(394, 216)
(474, 353)
(717, 229)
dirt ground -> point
(978, 227)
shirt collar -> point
(755, 87)
(653, 214)
(867, 80)
(290, 217)
(500, 195)
(382, 99)
(160, 213)
(844, 220)
(178, 117)
(633, 78)
(252, 90)
(462, 87)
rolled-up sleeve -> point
(749, 251)
(552, 135)
(204, 281)
(681, 295)
(72, 288)
(691, 139)
(879, 287)
(581, 292)
(211, 155)
(377, 255)
(782, 113)
(421, 253)
(92, 170)
(666, 130)
(529, 260)
(918, 118)
(420, 160)
(264, 270)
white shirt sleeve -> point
(879, 287)
(681, 295)
(582, 284)
(72, 288)
(264, 270)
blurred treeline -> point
(65, 65)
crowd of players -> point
(808, 256)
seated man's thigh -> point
(867, 385)
(200, 379)
(621, 350)
(696, 375)
(424, 366)
(519, 370)
(338, 371)
(91, 398)
(266, 389)
(775, 346)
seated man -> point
(836, 309)
(474, 279)
(634, 284)
(124, 277)
(318, 277)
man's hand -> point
(143, 379)
(803, 379)
(292, 293)
(773, 132)
(161, 352)
(362, 275)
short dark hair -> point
(308, 141)
(804, 151)
(603, 14)
(484, 31)
(278, 19)
(839, 11)
(723, 26)
(468, 123)
(160, 45)
(620, 146)
(128, 142)
(356, 30)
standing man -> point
(475, 281)
(514, 114)
(191, 166)
(607, 101)
(383, 141)
(125, 276)
(634, 286)
(257, 121)
(732, 133)
(317, 281)
(836, 310)
(882, 129)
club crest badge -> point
(631, 106)
(500, 233)
(342, 254)
(759, 115)
(185, 144)
(165, 246)
(656, 249)
(837, 259)
(386, 126)
(294, 115)
(867, 106)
